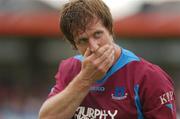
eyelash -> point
(82, 41)
(97, 34)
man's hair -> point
(77, 14)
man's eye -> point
(97, 34)
(82, 41)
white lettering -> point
(166, 97)
(103, 114)
(90, 113)
(81, 110)
(100, 89)
(163, 99)
(171, 95)
(112, 115)
(97, 112)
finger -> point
(94, 47)
(105, 57)
(108, 62)
(87, 53)
(97, 59)
(106, 54)
(98, 53)
(102, 50)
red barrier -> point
(47, 24)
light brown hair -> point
(77, 14)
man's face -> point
(94, 37)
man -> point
(105, 81)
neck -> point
(117, 53)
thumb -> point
(87, 53)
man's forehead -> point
(89, 29)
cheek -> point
(81, 50)
(106, 40)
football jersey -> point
(132, 88)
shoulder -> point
(68, 69)
(156, 90)
(70, 63)
(152, 80)
(140, 68)
(150, 72)
(136, 65)
(147, 75)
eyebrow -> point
(83, 38)
(98, 31)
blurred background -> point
(32, 46)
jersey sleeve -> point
(157, 95)
(60, 84)
(67, 70)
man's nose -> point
(93, 44)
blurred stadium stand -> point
(31, 47)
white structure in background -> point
(119, 8)
(55, 3)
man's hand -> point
(96, 64)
